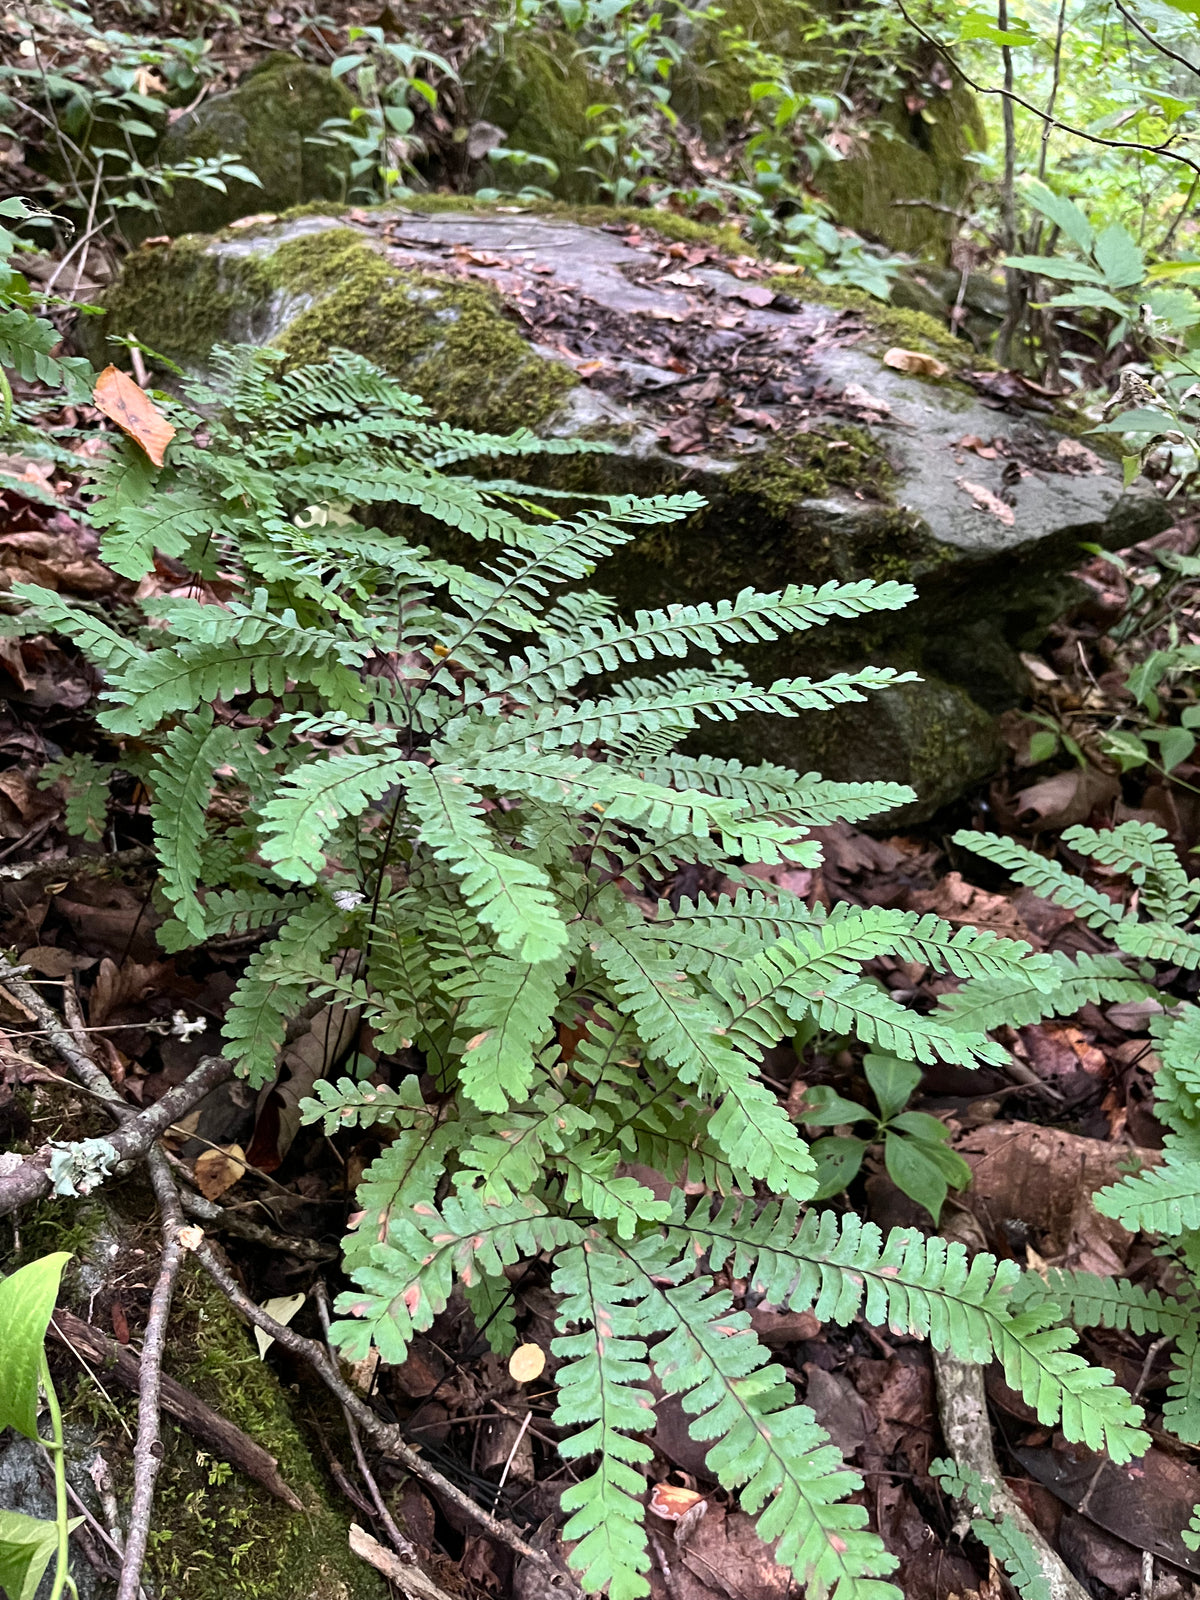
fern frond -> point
(98, 641)
(406, 1281)
(1089, 1301)
(276, 984)
(600, 1385)
(752, 618)
(506, 1018)
(679, 1028)
(1165, 1199)
(1014, 1000)
(768, 1448)
(181, 780)
(347, 1104)
(510, 895)
(927, 1288)
(1001, 1535)
(1159, 941)
(1143, 851)
(1049, 879)
(813, 801)
(1181, 1409)
(313, 801)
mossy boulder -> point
(817, 461)
(270, 123)
(911, 157)
(537, 89)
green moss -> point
(925, 156)
(218, 1535)
(178, 299)
(449, 341)
(539, 91)
(807, 466)
(270, 122)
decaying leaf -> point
(283, 1308)
(987, 501)
(133, 411)
(671, 1501)
(915, 362)
(219, 1169)
(527, 1362)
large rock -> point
(272, 124)
(817, 460)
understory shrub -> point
(449, 797)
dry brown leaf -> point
(50, 961)
(133, 411)
(863, 400)
(219, 1169)
(915, 362)
(987, 501)
(671, 1501)
(527, 1362)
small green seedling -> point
(916, 1146)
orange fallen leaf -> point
(671, 1501)
(527, 1362)
(133, 411)
(915, 362)
(218, 1170)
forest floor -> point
(1074, 1109)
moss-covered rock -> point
(270, 123)
(809, 494)
(537, 89)
(327, 288)
(911, 157)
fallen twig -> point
(68, 867)
(147, 1452)
(214, 1431)
(387, 1436)
(966, 1428)
(416, 1584)
(403, 1547)
(254, 1232)
(27, 1178)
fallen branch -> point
(387, 1436)
(967, 1430)
(27, 1178)
(147, 1452)
(212, 1430)
(69, 867)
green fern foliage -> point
(452, 796)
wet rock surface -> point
(819, 457)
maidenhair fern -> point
(1146, 903)
(446, 794)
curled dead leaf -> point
(133, 411)
(527, 1362)
(915, 362)
(672, 1501)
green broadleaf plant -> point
(28, 1544)
(449, 792)
(916, 1146)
